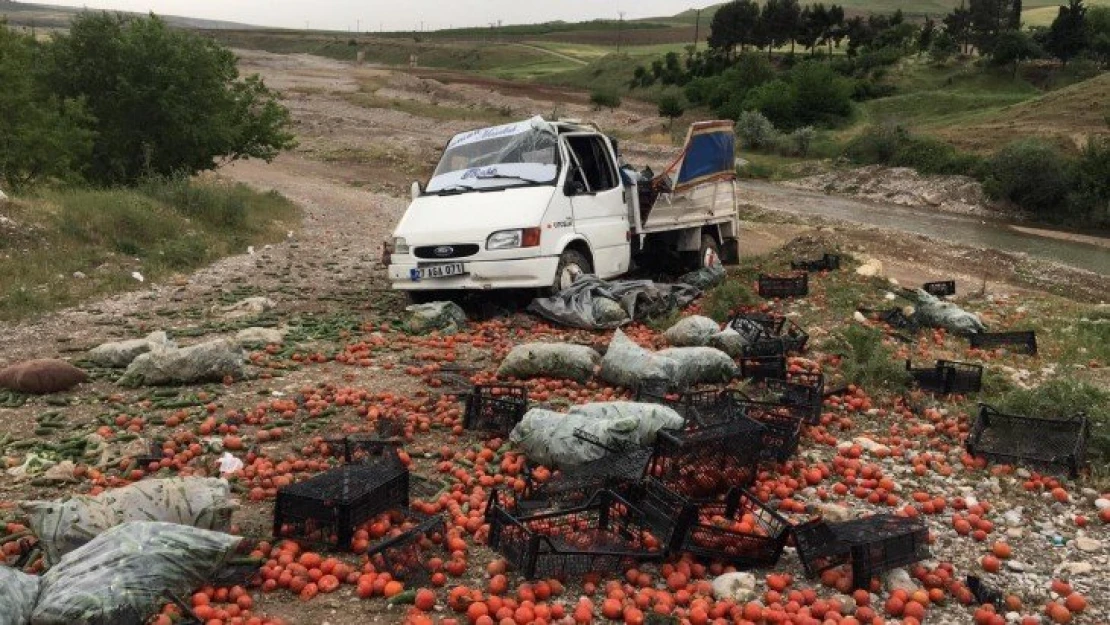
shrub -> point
(41, 135)
(876, 145)
(721, 301)
(671, 106)
(606, 98)
(755, 130)
(1089, 200)
(775, 100)
(1031, 174)
(164, 100)
(867, 361)
(802, 140)
(891, 144)
(820, 95)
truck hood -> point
(472, 217)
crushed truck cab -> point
(535, 204)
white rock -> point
(870, 445)
(898, 578)
(1084, 543)
(890, 297)
(138, 276)
(831, 512)
(1075, 568)
(78, 275)
(1015, 532)
(1023, 473)
(870, 267)
(260, 336)
(1102, 503)
(1014, 565)
(740, 587)
(858, 316)
(121, 353)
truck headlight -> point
(400, 246)
(511, 239)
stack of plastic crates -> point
(405, 555)
(495, 409)
(605, 535)
(873, 545)
(739, 531)
(575, 486)
(781, 287)
(705, 462)
(782, 423)
(947, 377)
(1052, 445)
(1024, 342)
(827, 262)
(333, 503)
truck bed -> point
(712, 202)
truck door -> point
(597, 202)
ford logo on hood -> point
(444, 251)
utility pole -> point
(358, 26)
(620, 30)
(697, 29)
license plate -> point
(437, 271)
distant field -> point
(1043, 15)
(58, 17)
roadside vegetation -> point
(102, 131)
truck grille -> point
(442, 252)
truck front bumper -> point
(526, 273)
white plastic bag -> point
(700, 365)
(122, 576)
(195, 501)
(694, 331)
(18, 594)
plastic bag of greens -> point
(18, 593)
(582, 435)
(122, 576)
(692, 331)
(629, 365)
(699, 365)
(550, 360)
(64, 526)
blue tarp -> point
(709, 153)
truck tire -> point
(708, 254)
(572, 264)
(730, 252)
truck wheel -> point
(709, 254)
(571, 265)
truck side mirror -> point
(417, 190)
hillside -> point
(49, 16)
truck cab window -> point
(597, 167)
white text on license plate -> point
(437, 271)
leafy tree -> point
(944, 47)
(734, 24)
(821, 96)
(958, 26)
(835, 33)
(926, 35)
(1031, 174)
(775, 100)
(1090, 196)
(755, 130)
(1067, 36)
(1098, 32)
(811, 26)
(780, 22)
(671, 107)
(165, 101)
(990, 18)
(1011, 47)
(41, 136)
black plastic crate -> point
(940, 289)
(753, 326)
(495, 409)
(604, 536)
(764, 347)
(705, 462)
(827, 262)
(782, 424)
(796, 285)
(898, 320)
(881, 543)
(984, 593)
(651, 391)
(370, 448)
(667, 512)
(338, 500)
(806, 390)
(794, 337)
(1024, 342)
(763, 367)
(698, 408)
(575, 486)
(818, 547)
(405, 556)
(740, 531)
(948, 376)
(1052, 445)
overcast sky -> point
(396, 14)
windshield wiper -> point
(455, 189)
(511, 177)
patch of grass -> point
(866, 360)
(162, 227)
(1061, 398)
(720, 303)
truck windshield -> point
(496, 158)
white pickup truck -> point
(537, 203)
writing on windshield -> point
(497, 160)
